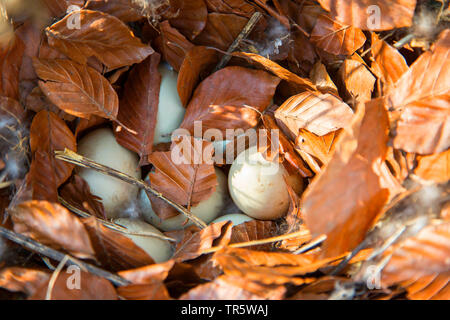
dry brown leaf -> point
(358, 82)
(185, 174)
(314, 111)
(335, 37)
(220, 101)
(425, 254)
(24, 280)
(101, 35)
(174, 45)
(364, 13)
(234, 288)
(322, 80)
(78, 194)
(422, 96)
(11, 54)
(125, 10)
(253, 230)
(343, 200)
(220, 30)
(52, 225)
(319, 147)
(78, 90)
(48, 133)
(114, 250)
(193, 244)
(139, 108)
(91, 288)
(190, 17)
(435, 167)
(58, 8)
(432, 287)
(42, 177)
(198, 61)
(147, 274)
(239, 7)
(276, 69)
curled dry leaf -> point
(358, 82)
(11, 54)
(343, 200)
(435, 167)
(422, 96)
(185, 174)
(125, 10)
(198, 61)
(319, 147)
(234, 288)
(114, 250)
(221, 30)
(276, 69)
(322, 80)
(24, 280)
(372, 14)
(174, 45)
(388, 64)
(317, 112)
(221, 102)
(78, 90)
(52, 225)
(91, 287)
(335, 37)
(139, 108)
(77, 193)
(101, 35)
(190, 17)
(419, 257)
(193, 244)
(48, 133)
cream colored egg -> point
(101, 146)
(160, 250)
(207, 210)
(257, 186)
(170, 109)
(235, 218)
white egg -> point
(257, 186)
(206, 210)
(170, 109)
(101, 146)
(160, 250)
(235, 218)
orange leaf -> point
(343, 200)
(139, 107)
(335, 37)
(78, 90)
(190, 17)
(52, 225)
(435, 167)
(11, 54)
(24, 280)
(422, 96)
(125, 10)
(100, 35)
(357, 81)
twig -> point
(242, 35)
(312, 244)
(302, 233)
(72, 157)
(37, 247)
(112, 225)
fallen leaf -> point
(253, 230)
(139, 108)
(101, 35)
(75, 88)
(125, 10)
(345, 197)
(220, 102)
(422, 97)
(58, 8)
(42, 177)
(11, 54)
(358, 82)
(314, 111)
(174, 45)
(197, 62)
(322, 80)
(435, 167)
(52, 225)
(335, 37)
(239, 7)
(372, 14)
(24, 280)
(190, 18)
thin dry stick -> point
(302, 233)
(312, 244)
(37, 247)
(73, 157)
(55, 274)
(242, 35)
(112, 225)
